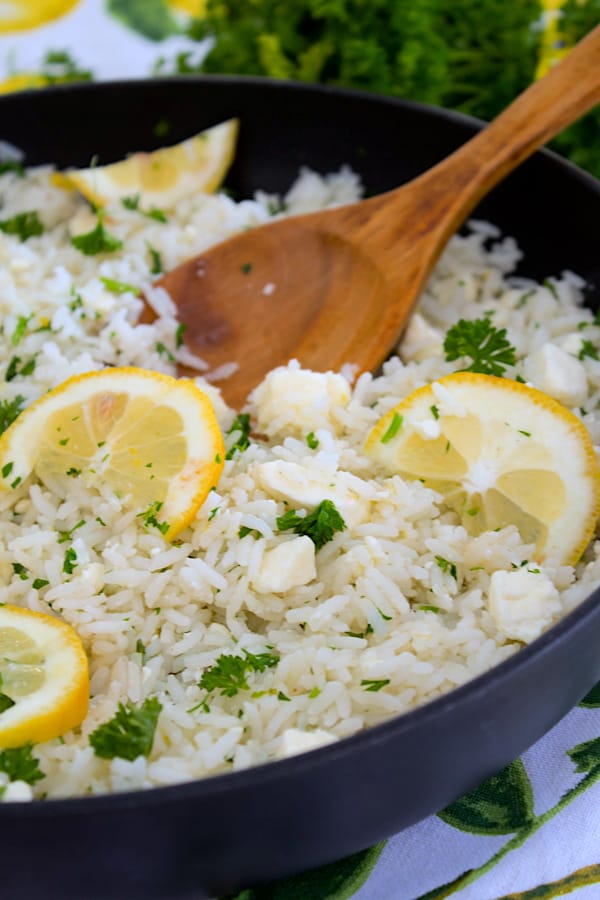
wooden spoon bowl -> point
(338, 286)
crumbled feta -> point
(307, 488)
(288, 565)
(421, 340)
(299, 401)
(522, 603)
(293, 740)
(558, 374)
(18, 791)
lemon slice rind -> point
(501, 453)
(61, 702)
(72, 429)
(162, 177)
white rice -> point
(358, 609)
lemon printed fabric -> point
(530, 831)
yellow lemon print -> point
(191, 7)
(23, 15)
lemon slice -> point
(153, 439)
(501, 453)
(161, 178)
(44, 673)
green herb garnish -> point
(119, 287)
(312, 440)
(150, 520)
(446, 566)
(24, 225)
(487, 346)
(130, 733)
(319, 526)
(5, 701)
(9, 410)
(98, 240)
(240, 427)
(20, 764)
(370, 684)
(70, 561)
(392, 429)
(229, 673)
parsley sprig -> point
(238, 434)
(20, 764)
(485, 345)
(98, 240)
(319, 525)
(9, 410)
(130, 733)
(24, 225)
(229, 673)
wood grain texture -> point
(338, 286)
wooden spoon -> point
(338, 286)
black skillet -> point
(218, 835)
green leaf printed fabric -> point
(336, 881)
(592, 698)
(501, 805)
(149, 17)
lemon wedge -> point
(44, 673)
(164, 177)
(152, 439)
(500, 453)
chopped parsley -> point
(20, 329)
(11, 165)
(98, 240)
(245, 530)
(485, 345)
(319, 526)
(370, 684)
(39, 583)
(9, 410)
(229, 673)
(12, 369)
(70, 561)
(180, 335)
(132, 202)
(20, 764)
(162, 350)
(312, 440)
(64, 536)
(392, 429)
(130, 733)
(240, 427)
(427, 608)
(446, 566)
(246, 268)
(5, 701)
(587, 349)
(149, 517)
(119, 287)
(20, 570)
(24, 225)
(434, 411)
(156, 267)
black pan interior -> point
(207, 838)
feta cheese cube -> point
(420, 340)
(293, 740)
(308, 487)
(523, 604)
(286, 566)
(557, 373)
